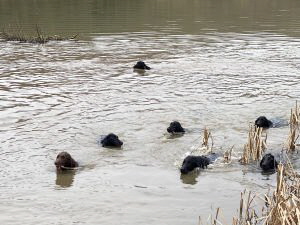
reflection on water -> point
(190, 178)
(174, 136)
(140, 72)
(65, 178)
(218, 65)
(267, 174)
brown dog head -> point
(65, 161)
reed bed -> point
(255, 147)
(294, 128)
(19, 36)
(281, 206)
(284, 203)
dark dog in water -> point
(263, 122)
(268, 163)
(141, 65)
(111, 140)
(192, 162)
(64, 161)
(175, 127)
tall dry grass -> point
(281, 206)
(255, 146)
(228, 155)
(16, 34)
(294, 128)
(205, 140)
(284, 203)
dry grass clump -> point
(294, 129)
(207, 143)
(227, 155)
(246, 212)
(40, 38)
(284, 203)
(255, 146)
(205, 140)
(282, 206)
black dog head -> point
(111, 140)
(268, 163)
(192, 162)
(175, 127)
(65, 161)
(263, 122)
(141, 65)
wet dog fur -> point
(175, 127)
(141, 65)
(192, 162)
(64, 161)
(268, 163)
(111, 140)
(263, 122)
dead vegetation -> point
(284, 203)
(294, 129)
(17, 35)
(255, 147)
(281, 206)
(205, 140)
(227, 155)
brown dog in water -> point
(64, 161)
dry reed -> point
(282, 206)
(294, 128)
(205, 140)
(284, 203)
(255, 147)
(18, 35)
(227, 155)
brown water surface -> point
(215, 64)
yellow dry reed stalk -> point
(227, 155)
(16, 34)
(205, 140)
(247, 213)
(234, 221)
(206, 135)
(282, 206)
(256, 145)
(294, 128)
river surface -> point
(215, 64)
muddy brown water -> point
(215, 64)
